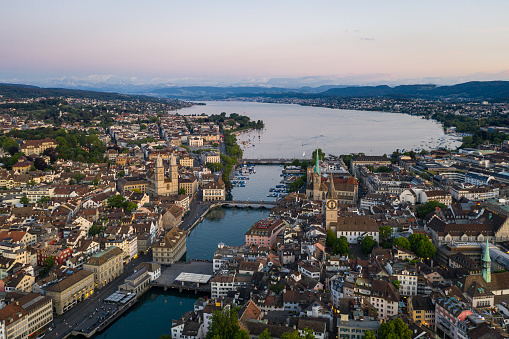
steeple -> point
(159, 162)
(486, 263)
(317, 163)
(332, 189)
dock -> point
(193, 275)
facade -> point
(70, 291)
(221, 285)
(210, 157)
(264, 232)
(451, 317)
(365, 160)
(190, 184)
(39, 310)
(385, 298)
(214, 191)
(138, 282)
(422, 310)
(158, 184)
(407, 275)
(170, 248)
(13, 322)
(37, 147)
(106, 265)
(128, 245)
(355, 228)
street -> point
(80, 314)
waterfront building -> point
(170, 248)
(13, 322)
(153, 269)
(138, 282)
(264, 232)
(70, 291)
(39, 310)
(368, 160)
(106, 265)
(214, 190)
(221, 285)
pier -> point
(197, 274)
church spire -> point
(317, 162)
(332, 189)
(486, 263)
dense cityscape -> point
(97, 207)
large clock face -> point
(331, 204)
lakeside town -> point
(96, 208)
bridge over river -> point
(247, 203)
(270, 161)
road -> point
(196, 210)
(77, 316)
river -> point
(292, 130)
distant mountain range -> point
(474, 90)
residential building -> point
(106, 265)
(214, 190)
(264, 232)
(421, 309)
(170, 248)
(385, 298)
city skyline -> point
(264, 43)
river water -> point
(290, 131)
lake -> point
(292, 130)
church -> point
(155, 183)
(158, 184)
(344, 191)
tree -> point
(131, 206)
(402, 242)
(396, 284)
(182, 191)
(385, 233)
(24, 200)
(225, 325)
(422, 246)
(214, 166)
(116, 201)
(367, 244)
(51, 153)
(49, 262)
(321, 155)
(342, 246)
(331, 238)
(40, 164)
(8, 143)
(290, 335)
(13, 150)
(429, 206)
(44, 199)
(369, 335)
(165, 336)
(265, 335)
(394, 329)
(78, 177)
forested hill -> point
(17, 91)
(474, 90)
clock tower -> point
(331, 205)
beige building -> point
(106, 265)
(190, 184)
(37, 147)
(13, 322)
(214, 191)
(70, 291)
(186, 161)
(171, 248)
(39, 309)
(212, 157)
(195, 141)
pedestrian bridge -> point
(248, 204)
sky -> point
(252, 42)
